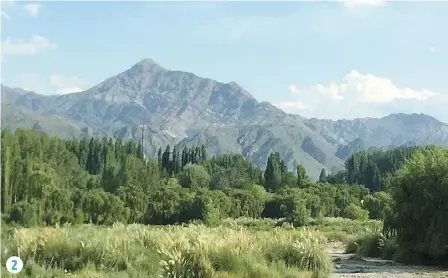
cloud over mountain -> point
(66, 84)
(357, 95)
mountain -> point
(15, 117)
(181, 108)
(344, 151)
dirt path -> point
(346, 265)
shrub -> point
(355, 212)
(420, 207)
(372, 244)
(299, 216)
(378, 205)
(306, 252)
(194, 176)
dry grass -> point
(172, 251)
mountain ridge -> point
(185, 109)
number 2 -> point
(14, 265)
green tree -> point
(420, 207)
(355, 212)
(299, 214)
(159, 158)
(194, 176)
(203, 154)
(166, 160)
(323, 176)
(302, 177)
(378, 204)
(177, 163)
(272, 174)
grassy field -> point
(334, 229)
(236, 248)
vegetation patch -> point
(187, 214)
(172, 251)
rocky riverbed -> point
(349, 265)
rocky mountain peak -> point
(182, 108)
(148, 65)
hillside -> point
(14, 117)
(180, 107)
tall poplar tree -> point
(272, 174)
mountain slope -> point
(392, 130)
(14, 117)
(181, 108)
(255, 142)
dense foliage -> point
(49, 181)
(420, 207)
(372, 169)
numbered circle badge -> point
(14, 265)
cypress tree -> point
(301, 176)
(166, 159)
(283, 167)
(272, 175)
(323, 176)
(159, 158)
(203, 154)
(184, 157)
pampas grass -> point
(194, 251)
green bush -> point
(372, 244)
(420, 207)
(299, 216)
(355, 212)
(378, 205)
(342, 229)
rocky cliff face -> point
(182, 108)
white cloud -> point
(359, 95)
(36, 44)
(293, 89)
(66, 84)
(35, 82)
(9, 7)
(291, 105)
(32, 9)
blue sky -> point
(334, 60)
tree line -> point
(372, 169)
(47, 180)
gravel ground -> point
(348, 266)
